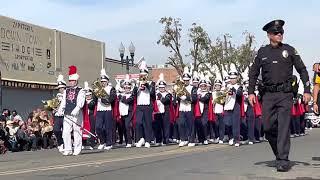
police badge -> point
(285, 53)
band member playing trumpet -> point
(72, 103)
(218, 110)
(145, 94)
(186, 116)
(104, 123)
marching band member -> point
(204, 100)
(58, 113)
(249, 114)
(186, 116)
(72, 102)
(104, 122)
(166, 114)
(232, 108)
(89, 121)
(145, 94)
(218, 110)
(127, 110)
(258, 113)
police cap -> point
(274, 26)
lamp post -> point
(127, 61)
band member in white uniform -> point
(218, 110)
(104, 123)
(73, 101)
(146, 96)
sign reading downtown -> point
(26, 52)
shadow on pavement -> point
(273, 163)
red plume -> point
(72, 70)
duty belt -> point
(284, 87)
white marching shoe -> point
(206, 142)
(76, 153)
(67, 153)
(183, 143)
(220, 142)
(101, 146)
(231, 142)
(60, 148)
(128, 145)
(140, 143)
(191, 144)
(236, 144)
(107, 148)
(250, 143)
(147, 145)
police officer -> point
(277, 61)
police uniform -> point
(58, 114)
(126, 112)
(72, 102)
(105, 121)
(277, 68)
(145, 94)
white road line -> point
(62, 166)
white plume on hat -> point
(60, 78)
(161, 78)
(143, 67)
(186, 70)
(86, 85)
(103, 75)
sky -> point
(116, 21)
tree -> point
(170, 38)
(207, 55)
(198, 38)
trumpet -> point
(221, 97)
(144, 79)
(180, 89)
(51, 104)
(98, 90)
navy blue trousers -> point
(186, 125)
(144, 123)
(233, 120)
(57, 129)
(104, 127)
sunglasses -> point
(277, 32)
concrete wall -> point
(31, 53)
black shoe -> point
(282, 168)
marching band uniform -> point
(104, 122)
(165, 116)
(58, 114)
(249, 115)
(194, 126)
(145, 103)
(186, 116)
(218, 110)
(89, 121)
(126, 111)
(72, 102)
(204, 100)
(258, 114)
(232, 109)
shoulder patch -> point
(296, 52)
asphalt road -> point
(170, 163)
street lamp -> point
(127, 61)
